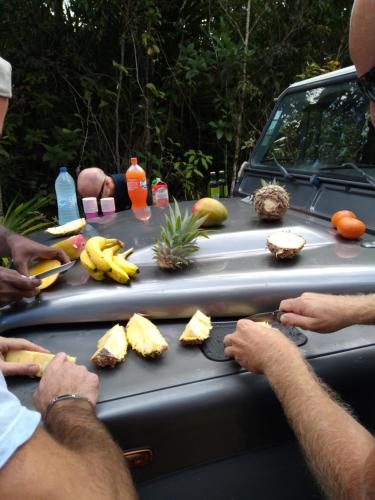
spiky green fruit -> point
(178, 239)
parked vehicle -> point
(209, 429)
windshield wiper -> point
(368, 177)
(282, 169)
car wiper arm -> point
(282, 169)
(368, 177)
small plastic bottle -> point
(160, 196)
(137, 184)
(213, 186)
(66, 197)
(223, 186)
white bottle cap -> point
(90, 205)
(108, 205)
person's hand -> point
(319, 312)
(14, 286)
(10, 344)
(23, 250)
(64, 377)
(256, 347)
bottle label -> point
(134, 184)
(214, 191)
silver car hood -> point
(233, 274)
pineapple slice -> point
(111, 348)
(72, 227)
(197, 330)
(40, 358)
(144, 337)
(264, 323)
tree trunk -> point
(117, 106)
(241, 101)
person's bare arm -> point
(326, 313)
(76, 458)
(73, 456)
(23, 250)
(335, 444)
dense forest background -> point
(187, 86)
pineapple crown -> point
(182, 229)
(271, 183)
(178, 238)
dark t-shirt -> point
(121, 196)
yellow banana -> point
(86, 261)
(95, 247)
(115, 272)
(97, 275)
(129, 267)
(127, 252)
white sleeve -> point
(17, 423)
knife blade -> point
(267, 316)
(293, 333)
(54, 270)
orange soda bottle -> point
(137, 185)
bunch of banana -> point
(101, 258)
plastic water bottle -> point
(66, 197)
(137, 184)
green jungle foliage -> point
(187, 86)
(26, 217)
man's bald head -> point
(362, 40)
(90, 181)
(362, 35)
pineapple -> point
(39, 358)
(271, 201)
(197, 330)
(111, 348)
(144, 337)
(72, 227)
(264, 323)
(178, 239)
(284, 244)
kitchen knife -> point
(273, 317)
(267, 316)
(54, 270)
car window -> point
(320, 130)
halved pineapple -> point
(144, 336)
(72, 227)
(40, 358)
(111, 348)
(197, 330)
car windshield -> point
(321, 131)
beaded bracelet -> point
(61, 398)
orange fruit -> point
(350, 228)
(342, 213)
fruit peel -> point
(72, 227)
(72, 246)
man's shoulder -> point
(118, 178)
